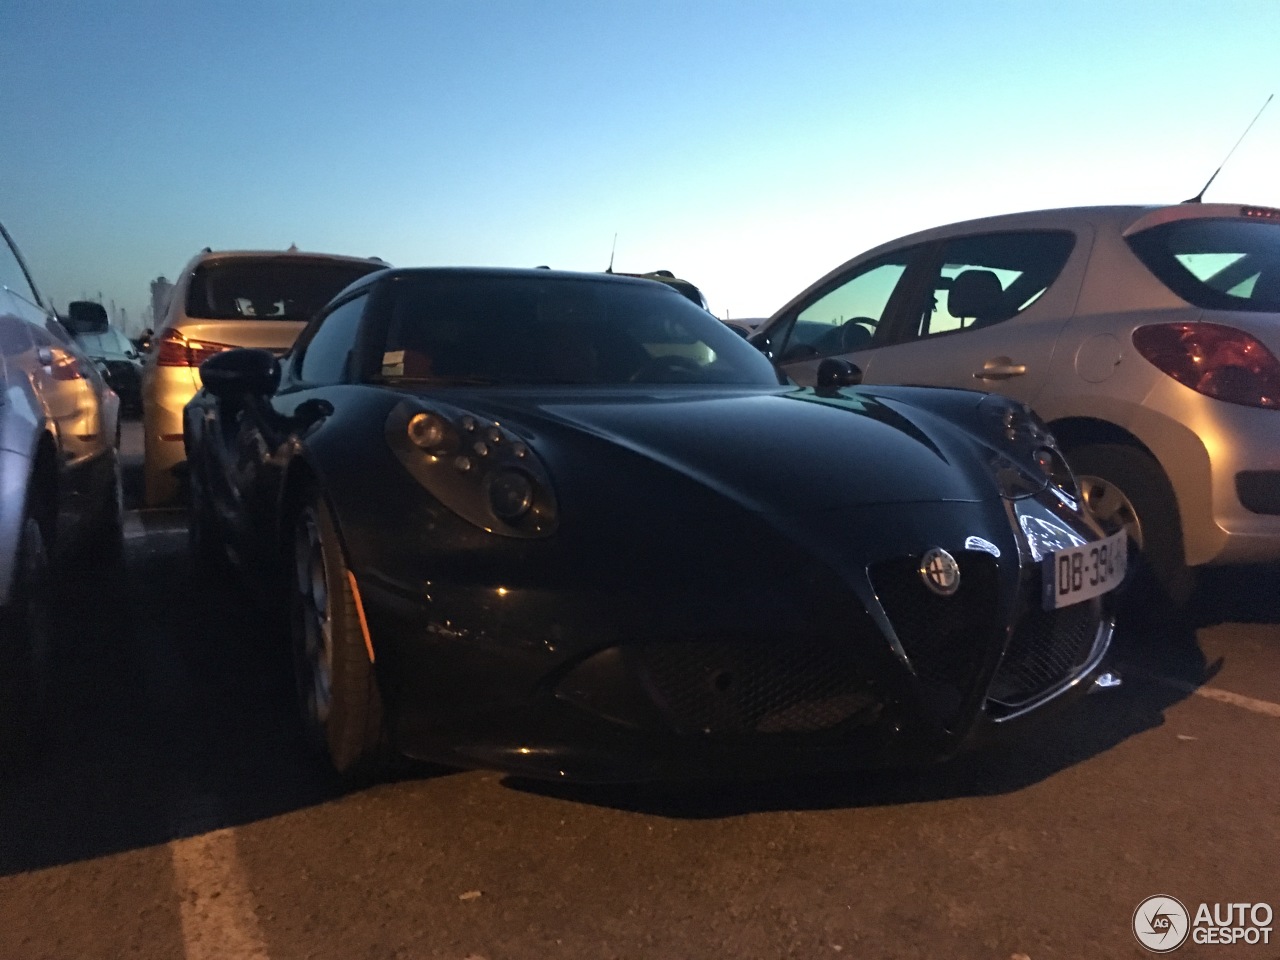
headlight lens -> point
(475, 467)
(510, 495)
(1026, 455)
(428, 431)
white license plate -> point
(1082, 573)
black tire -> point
(26, 646)
(1125, 485)
(109, 536)
(337, 689)
(204, 538)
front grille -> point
(726, 687)
(1047, 647)
(945, 638)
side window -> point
(325, 358)
(846, 317)
(12, 276)
(991, 278)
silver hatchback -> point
(1147, 337)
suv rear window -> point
(1216, 264)
(275, 289)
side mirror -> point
(834, 373)
(241, 372)
(85, 316)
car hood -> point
(773, 451)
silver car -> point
(59, 470)
(1147, 337)
(225, 299)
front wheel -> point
(1125, 487)
(337, 690)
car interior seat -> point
(976, 294)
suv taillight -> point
(175, 350)
(1220, 362)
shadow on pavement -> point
(169, 714)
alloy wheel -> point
(315, 626)
(1109, 504)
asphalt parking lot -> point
(175, 813)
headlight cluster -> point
(1025, 455)
(475, 467)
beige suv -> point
(225, 299)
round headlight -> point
(510, 495)
(426, 430)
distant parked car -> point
(226, 299)
(684, 287)
(1147, 337)
(570, 526)
(118, 359)
(746, 327)
(59, 472)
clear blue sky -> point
(747, 146)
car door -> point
(846, 314)
(986, 318)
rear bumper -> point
(166, 391)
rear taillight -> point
(1220, 362)
(175, 350)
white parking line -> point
(217, 908)
(1264, 707)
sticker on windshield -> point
(393, 363)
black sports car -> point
(571, 525)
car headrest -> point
(975, 293)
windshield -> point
(276, 288)
(111, 343)
(567, 330)
(1216, 264)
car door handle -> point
(1000, 368)
(45, 356)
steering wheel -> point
(685, 369)
(856, 334)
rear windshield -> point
(1216, 264)
(562, 330)
(109, 344)
(275, 289)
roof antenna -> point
(612, 251)
(1196, 198)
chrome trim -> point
(1101, 643)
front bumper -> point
(817, 669)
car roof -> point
(1122, 218)
(527, 273)
(208, 254)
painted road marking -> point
(216, 904)
(1264, 707)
